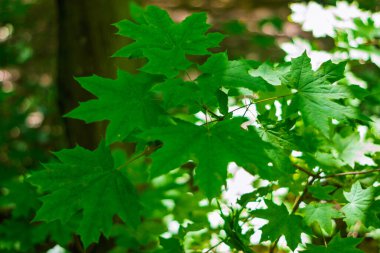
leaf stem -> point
(207, 110)
(214, 115)
(147, 151)
(247, 109)
(262, 100)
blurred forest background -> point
(45, 43)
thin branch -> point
(213, 247)
(295, 207)
(302, 196)
(214, 115)
(274, 245)
(246, 110)
(351, 173)
(207, 110)
(273, 98)
(305, 171)
(337, 174)
(188, 76)
(262, 100)
(211, 121)
(147, 151)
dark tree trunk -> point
(86, 42)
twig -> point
(337, 174)
(188, 76)
(305, 171)
(295, 207)
(207, 110)
(352, 173)
(246, 110)
(302, 196)
(213, 247)
(273, 246)
(211, 121)
(214, 115)
(260, 101)
(147, 151)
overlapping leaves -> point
(210, 148)
(321, 214)
(138, 106)
(165, 43)
(87, 182)
(359, 201)
(280, 222)
(316, 95)
(219, 72)
(126, 102)
(337, 244)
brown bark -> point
(86, 42)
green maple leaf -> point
(321, 192)
(86, 181)
(279, 154)
(337, 244)
(359, 201)
(373, 215)
(352, 150)
(315, 93)
(280, 223)
(165, 43)
(176, 92)
(322, 214)
(269, 73)
(126, 102)
(211, 148)
(171, 245)
(219, 72)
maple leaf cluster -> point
(160, 104)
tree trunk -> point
(86, 42)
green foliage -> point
(351, 150)
(210, 148)
(280, 223)
(164, 43)
(337, 244)
(359, 201)
(322, 214)
(219, 72)
(293, 128)
(86, 181)
(315, 94)
(126, 102)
